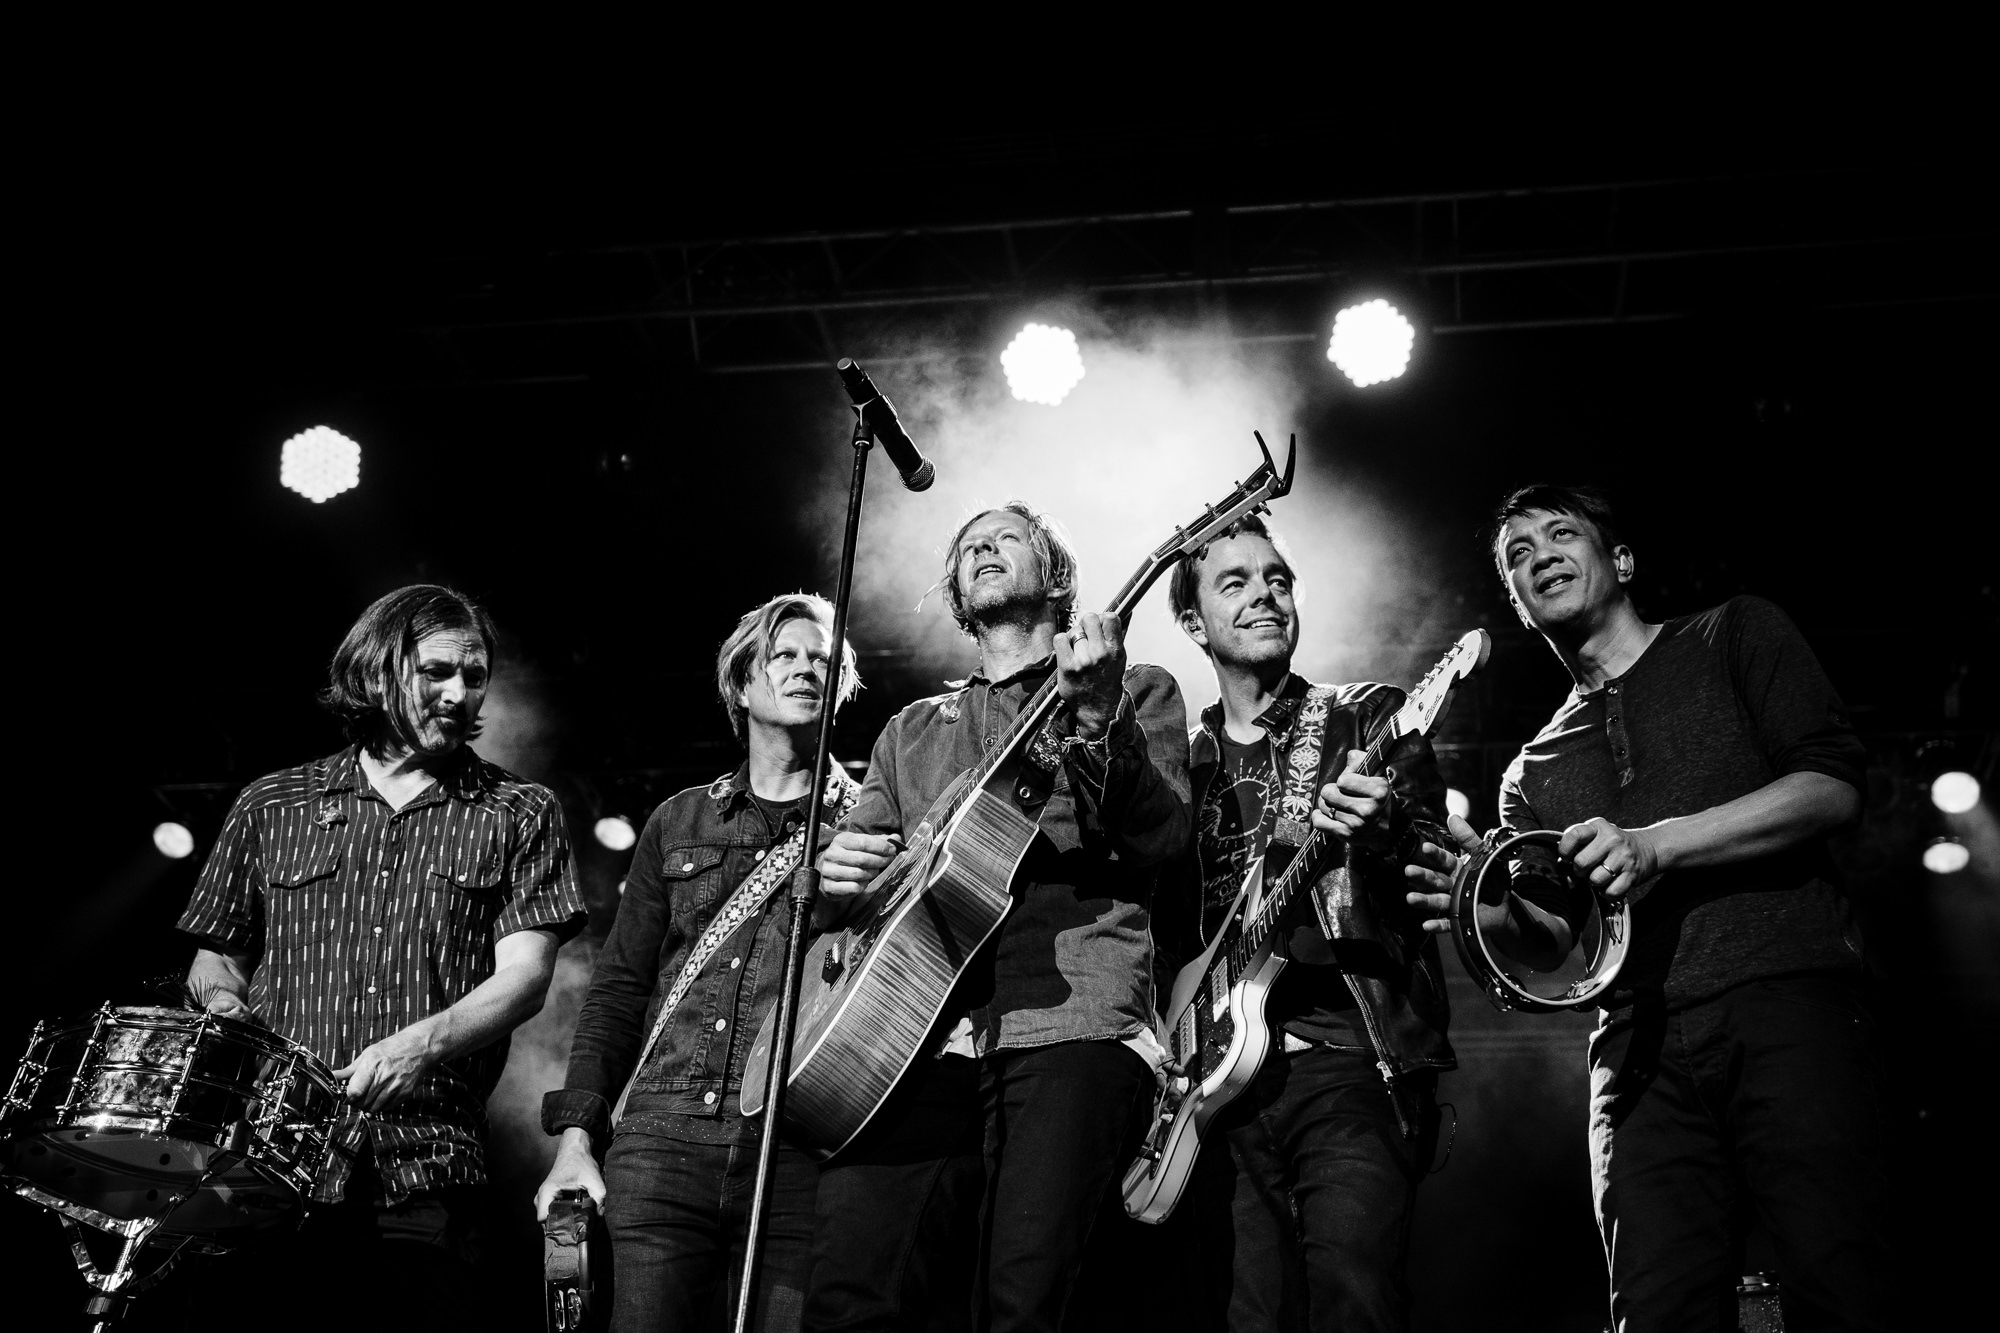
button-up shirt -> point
(1073, 960)
(363, 919)
(695, 852)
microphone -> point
(880, 419)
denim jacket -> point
(696, 850)
(1378, 948)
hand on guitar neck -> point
(1090, 671)
(1357, 807)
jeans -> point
(1062, 1122)
(1306, 1188)
(678, 1214)
(898, 1211)
(1766, 1099)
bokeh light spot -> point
(616, 832)
(174, 840)
(1042, 364)
(1946, 856)
(1371, 342)
(320, 463)
(1955, 793)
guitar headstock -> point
(1428, 700)
(1249, 496)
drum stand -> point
(116, 1288)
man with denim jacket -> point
(680, 1162)
(1052, 1056)
(1306, 1187)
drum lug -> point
(234, 1141)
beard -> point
(1013, 601)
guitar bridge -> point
(830, 967)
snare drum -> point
(111, 1116)
(1603, 934)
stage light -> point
(320, 463)
(616, 832)
(1946, 856)
(1042, 364)
(1457, 803)
(1955, 792)
(173, 840)
(1371, 342)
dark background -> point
(1788, 392)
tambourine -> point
(1602, 939)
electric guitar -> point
(871, 994)
(1213, 1025)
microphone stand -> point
(804, 892)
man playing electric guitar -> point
(1337, 1128)
(1060, 1010)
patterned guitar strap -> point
(745, 903)
(1289, 822)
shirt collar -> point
(1275, 720)
(463, 780)
(978, 677)
(730, 789)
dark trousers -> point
(1062, 1121)
(898, 1212)
(418, 1263)
(1306, 1189)
(1767, 1100)
(678, 1215)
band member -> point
(396, 909)
(1699, 766)
(1307, 1190)
(694, 961)
(1058, 1012)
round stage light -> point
(1042, 364)
(1946, 856)
(1371, 342)
(320, 463)
(1457, 803)
(616, 832)
(174, 840)
(1955, 793)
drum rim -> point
(1494, 979)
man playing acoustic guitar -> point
(1059, 1003)
(1307, 1185)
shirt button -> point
(385, 875)
(760, 856)
(708, 1099)
(378, 930)
(735, 963)
(689, 866)
(721, 1023)
(371, 990)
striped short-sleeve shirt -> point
(362, 920)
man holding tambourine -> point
(1695, 773)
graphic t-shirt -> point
(1231, 826)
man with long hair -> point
(1698, 768)
(694, 961)
(1048, 1049)
(395, 908)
